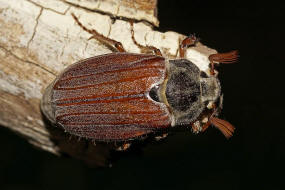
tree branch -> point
(40, 38)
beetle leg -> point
(205, 126)
(123, 147)
(225, 127)
(113, 43)
(153, 49)
(229, 57)
(196, 127)
(188, 41)
(158, 138)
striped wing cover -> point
(105, 97)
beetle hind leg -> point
(146, 48)
(110, 42)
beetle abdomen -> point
(106, 97)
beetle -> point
(124, 96)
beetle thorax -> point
(186, 92)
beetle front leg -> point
(113, 43)
(189, 41)
(229, 57)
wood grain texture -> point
(39, 39)
(141, 10)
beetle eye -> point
(153, 93)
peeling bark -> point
(39, 38)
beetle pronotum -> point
(123, 96)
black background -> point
(253, 87)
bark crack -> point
(118, 9)
(99, 4)
(35, 29)
(26, 61)
(46, 8)
(112, 16)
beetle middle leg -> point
(113, 43)
(229, 57)
(189, 41)
(153, 49)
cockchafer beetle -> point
(124, 96)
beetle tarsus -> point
(113, 43)
(153, 49)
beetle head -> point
(210, 91)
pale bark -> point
(39, 38)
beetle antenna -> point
(229, 57)
(224, 126)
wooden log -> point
(40, 38)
